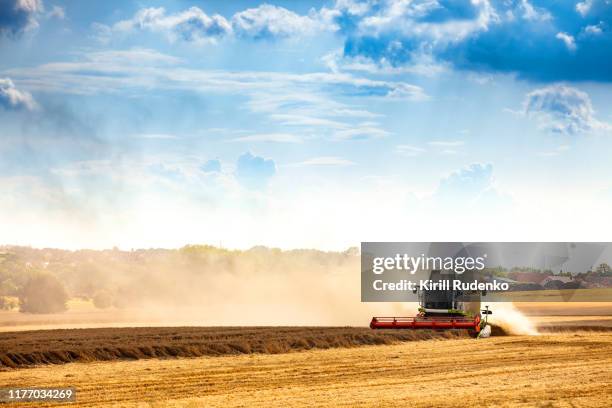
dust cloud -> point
(205, 286)
(510, 319)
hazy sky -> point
(304, 124)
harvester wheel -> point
(485, 332)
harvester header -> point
(443, 308)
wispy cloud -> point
(563, 109)
(555, 152)
(103, 72)
(361, 133)
(270, 137)
(304, 100)
(332, 161)
(446, 143)
(158, 136)
(305, 120)
(317, 112)
(56, 12)
(409, 151)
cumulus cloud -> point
(57, 12)
(469, 180)
(17, 16)
(482, 35)
(192, 25)
(400, 32)
(420, 36)
(583, 7)
(562, 109)
(473, 184)
(254, 171)
(594, 29)
(268, 21)
(12, 98)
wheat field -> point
(553, 370)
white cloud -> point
(555, 152)
(305, 120)
(268, 21)
(270, 137)
(131, 56)
(407, 17)
(316, 112)
(562, 109)
(57, 12)
(331, 161)
(584, 7)
(471, 185)
(446, 143)
(593, 29)
(292, 100)
(194, 25)
(14, 99)
(155, 136)
(568, 40)
(19, 16)
(409, 151)
(421, 65)
(360, 133)
(116, 75)
(191, 25)
(534, 13)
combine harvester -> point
(443, 310)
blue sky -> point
(304, 124)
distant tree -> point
(571, 285)
(553, 284)
(8, 287)
(497, 271)
(103, 299)
(6, 303)
(604, 270)
(43, 293)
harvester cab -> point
(443, 308)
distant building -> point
(528, 277)
(502, 279)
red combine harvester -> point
(443, 310)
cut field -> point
(28, 348)
(555, 370)
(570, 365)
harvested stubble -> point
(29, 348)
